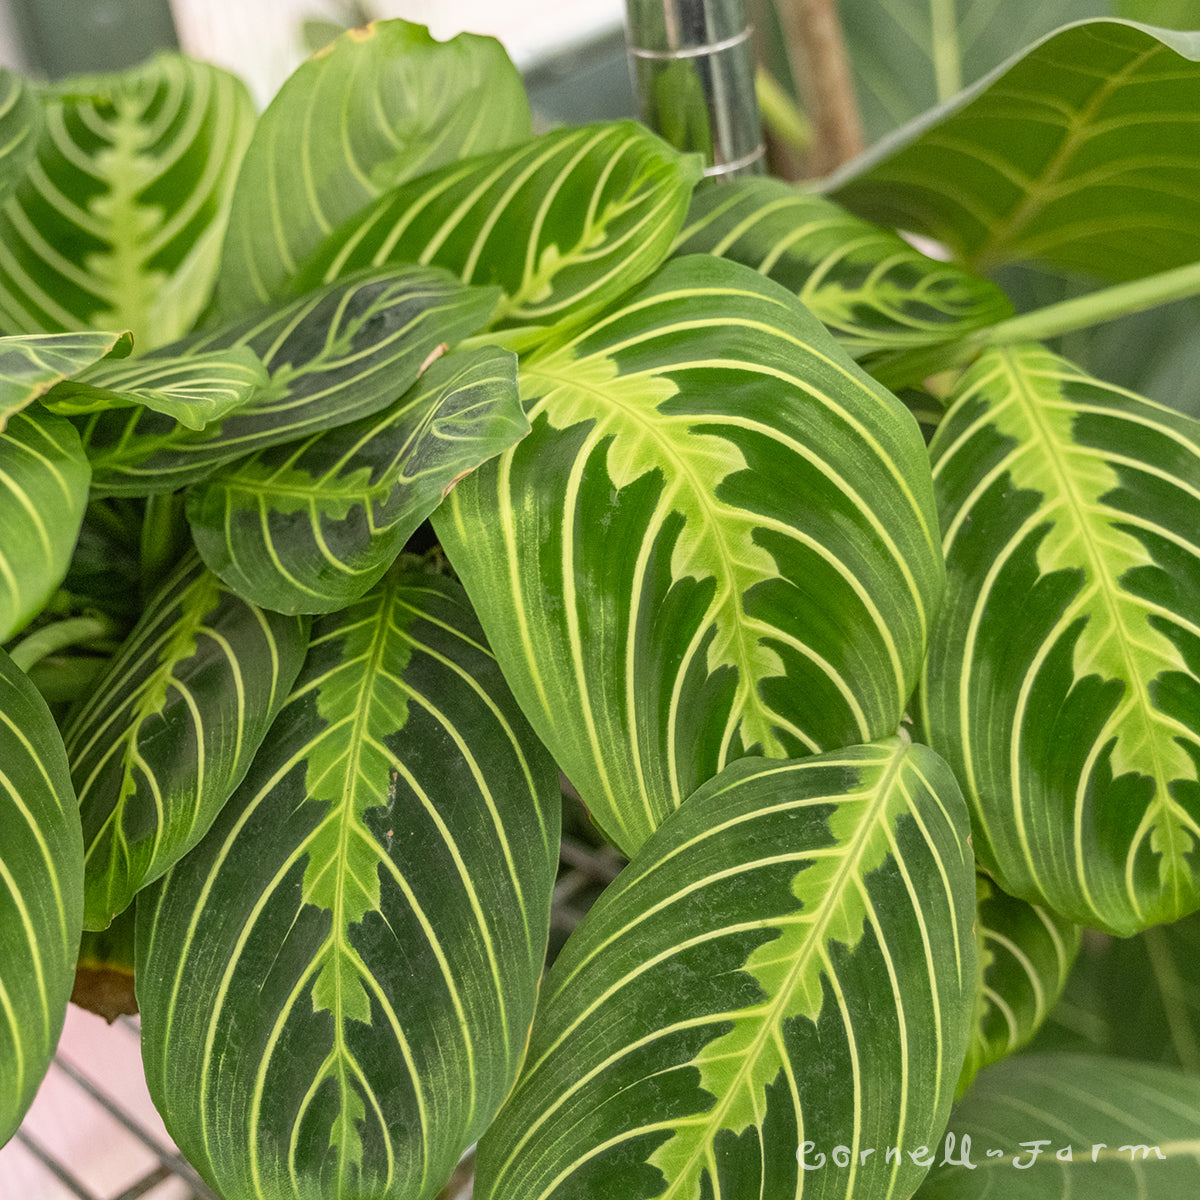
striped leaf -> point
(43, 493)
(1049, 1126)
(20, 127)
(785, 968)
(1025, 955)
(117, 222)
(717, 540)
(564, 224)
(1062, 682)
(868, 285)
(31, 365)
(41, 891)
(333, 356)
(336, 986)
(171, 727)
(376, 107)
(311, 526)
(1080, 153)
(194, 389)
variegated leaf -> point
(310, 526)
(1079, 152)
(194, 389)
(869, 287)
(1045, 1127)
(41, 891)
(32, 364)
(1025, 955)
(336, 986)
(20, 126)
(333, 356)
(717, 540)
(117, 222)
(783, 974)
(44, 478)
(171, 727)
(376, 107)
(1063, 681)
(564, 224)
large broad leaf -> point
(32, 364)
(1062, 682)
(336, 986)
(564, 224)
(41, 891)
(910, 55)
(1133, 997)
(336, 355)
(783, 973)
(1081, 153)
(1045, 1127)
(194, 389)
(868, 285)
(20, 126)
(1025, 956)
(44, 478)
(376, 107)
(717, 540)
(171, 728)
(117, 223)
(309, 527)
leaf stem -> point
(50, 639)
(1095, 308)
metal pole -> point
(693, 68)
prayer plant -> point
(881, 727)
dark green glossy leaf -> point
(1049, 1126)
(376, 107)
(786, 967)
(195, 389)
(117, 223)
(43, 493)
(309, 527)
(1025, 955)
(41, 891)
(20, 125)
(333, 356)
(1063, 680)
(32, 364)
(564, 224)
(171, 727)
(717, 540)
(1080, 153)
(336, 986)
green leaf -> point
(717, 540)
(194, 389)
(310, 527)
(1062, 681)
(1025, 954)
(31, 365)
(20, 126)
(376, 107)
(41, 891)
(785, 967)
(1080, 153)
(564, 224)
(1100, 1128)
(868, 286)
(171, 727)
(334, 356)
(43, 493)
(336, 986)
(910, 55)
(1156, 1020)
(117, 223)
